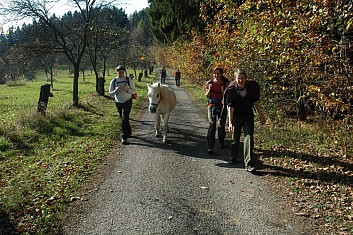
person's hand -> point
(126, 88)
(231, 128)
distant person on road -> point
(240, 97)
(217, 115)
(163, 73)
(177, 78)
(122, 89)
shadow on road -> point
(339, 177)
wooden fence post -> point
(43, 98)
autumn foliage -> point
(300, 51)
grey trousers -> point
(247, 125)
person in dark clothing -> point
(214, 92)
(177, 78)
(163, 73)
(240, 97)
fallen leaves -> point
(302, 214)
(322, 186)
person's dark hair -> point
(120, 67)
(220, 69)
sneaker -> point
(210, 151)
(250, 168)
(125, 142)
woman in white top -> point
(122, 87)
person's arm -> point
(259, 110)
(230, 120)
(112, 88)
(208, 89)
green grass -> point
(43, 160)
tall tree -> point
(109, 30)
(171, 19)
(140, 23)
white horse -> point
(162, 102)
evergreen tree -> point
(172, 19)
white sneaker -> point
(124, 142)
(250, 168)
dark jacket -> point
(243, 106)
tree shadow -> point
(182, 140)
(344, 177)
(90, 109)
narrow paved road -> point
(176, 188)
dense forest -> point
(300, 51)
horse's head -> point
(154, 96)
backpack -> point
(134, 96)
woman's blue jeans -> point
(217, 122)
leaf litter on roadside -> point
(323, 189)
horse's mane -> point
(156, 84)
(162, 86)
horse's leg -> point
(166, 127)
(157, 123)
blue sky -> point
(134, 5)
(130, 6)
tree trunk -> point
(51, 77)
(75, 84)
(83, 75)
(104, 66)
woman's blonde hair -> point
(239, 71)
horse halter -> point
(160, 99)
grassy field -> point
(43, 160)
